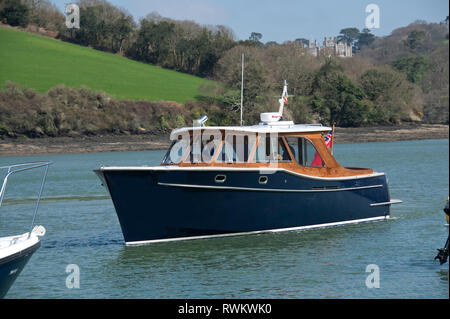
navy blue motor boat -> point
(15, 251)
(221, 181)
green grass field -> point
(41, 63)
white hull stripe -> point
(269, 189)
(392, 201)
(354, 221)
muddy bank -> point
(88, 144)
(391, 133)
(121, 143)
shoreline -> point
(22, 146)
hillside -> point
(416, 39)
(420, 51)
(42, 63)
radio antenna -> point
(242, 84)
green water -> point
(82, 229)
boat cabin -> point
(282, 144)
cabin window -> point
(304, 152)
(167, 158)
(210, 143)
(175, 152)
(195, 153)
(272, 149)
(236, 149)
(203, 147)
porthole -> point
(220, 178)
(263, 179)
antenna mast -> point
(242, 84)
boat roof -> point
(276, 127)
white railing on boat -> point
(16, 168)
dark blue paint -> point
(149, 211)
(17, 262)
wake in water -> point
(105, 239)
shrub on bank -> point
(65, 111)
(15, 13)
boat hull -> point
(172, 204)
(11, 266)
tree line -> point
(388, 81)
(420, 51)
(183, 46)
(349, 92)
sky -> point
(284, 20)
